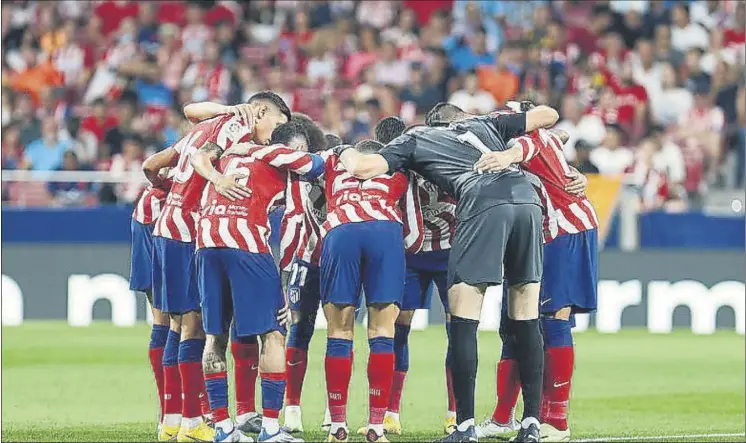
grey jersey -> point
(446, 156)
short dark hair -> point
(368, 146)
(316, 139)
(287, 132)
(271, 97)
(443, 113)
(332, 141)
(389, 128)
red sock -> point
(192, 382)
(156, 363)
(171, 390)
(297, 361)
(380, 378)
(397, 386)
(338, 374)
(204, 402)
(449, 385)
(558, 367)
(246, 361)
(508, 388)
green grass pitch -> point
(94, 384)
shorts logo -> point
(294, 295)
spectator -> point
(389, 69)
(172, 130)
(332, 119)
(404, 36)
(646, 71)
(696, 78)
(29, 125)
(248, 82)
(46, 153)
(471, 98)
(367, 88)
(366, 55)
(85, 144)
(127, 164)
(196, 33)
(499, 80)
(376, 13)
(686, 35)
(98, 122)
(651, 183)
(441, 74)
(276, 82)
(471, 18)
(669, 102)
(664, 49)
(70, 193)
(708, 14)
(147, 36)
(578, 126)
(700, 136)
(322, 65)
(611, 158)
(667, 157)
(209, 79)
(170, 59)
(127, 125)
(12, 149)
(466, 57)
(582, 161)
(419, 94)
(735, 36)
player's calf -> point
(381, 331)
(171, 420)
(245, 352)
(156, 348)
(191, 349)
(272, 365)
(559, 360)
(215, 368)
(299, 338)
(338, 365)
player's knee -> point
(160, 318)
(557, 332)
(523, 301)
(465, 300)
(191, 326)
(381, 320)
(562, 314)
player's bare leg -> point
(171, 421)
(524, 334)
(215, 369)
(559, 359)
(381, 331)
(465, 302)
(272, 373)
(338, 366)
(191, 348)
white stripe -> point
(351, 214)
(657, 437)
(206, 226)
(140, 210)
(285, 160)
(531, 148)
(591, 210)
(178, 217)
(264, 235)
(367, 207)
(225, 233)
(165, 231)
(333, 221)
(155, 209)
(579, 213)
(411, 208)
(564, 223)
(243, 228)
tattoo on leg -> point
(213, 359)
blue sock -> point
(158, 336)
(338, 347)
(273, 393)
(299, 334)
(557, 332)
(217, 391)
(401, 348)
(171, 349)
(190, 350)
(381, 345)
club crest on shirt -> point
(294, 295)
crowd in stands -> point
(653, 90)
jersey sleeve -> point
(308, 166)
(231, 131)
(412, 219)
(399, 153)
(509, 125)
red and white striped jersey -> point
(565, 213)
(429, 216)
(180, 214)
(245, 224)
(350, 200)
(148, 207)
(305, 211)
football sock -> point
(463, 348)
(245, 352)
(190, 368)
(299, 337)
(158, 337)
(204, 401)
(273, 392)
(401, 365)
(380, 377)
(217, 393)
(529, 353)
(449, 374)
(559, 358)
(508, 386)
(338, 366)
(171, 380)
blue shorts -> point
(141, 257)
(304, 287)
(425, 270)
(368, 255)
(570, 274)
(174, 276)
(241, 286)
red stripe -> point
(216, 375)
(276, 376)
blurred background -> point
(651, 93)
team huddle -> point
(461, 203)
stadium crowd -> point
(653, 90)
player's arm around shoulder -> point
(203, 161)
(153, 165)
(196, 112)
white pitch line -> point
(656, 437)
